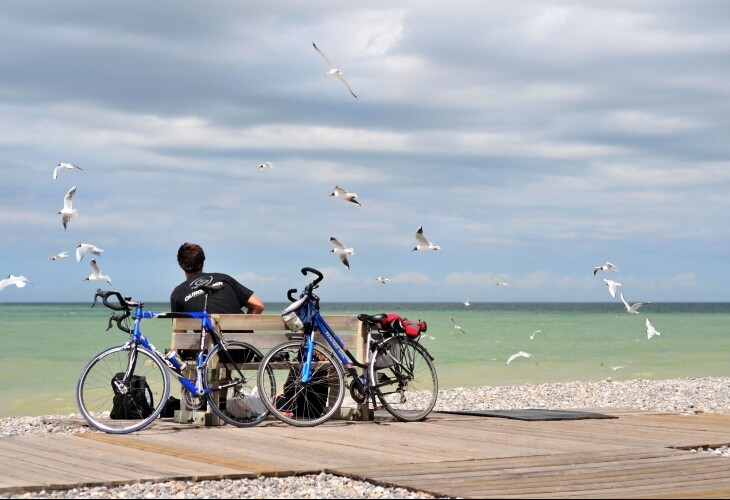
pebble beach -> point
(683, 396)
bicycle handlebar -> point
(310, 286)
(123, 305)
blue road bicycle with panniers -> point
(125, 388)
(304, 381)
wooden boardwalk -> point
(635, 455)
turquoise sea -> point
(45, 346)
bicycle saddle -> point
(372, 319)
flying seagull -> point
(457, 326)
(341, 251)
(612, 285)
(650, 330)
(605, 267)
(19, 281)
(522, 354)
(59, 256)
(532, 336)
(383, 279)
(86, 247)
(344, 195)
(424, 244)
(68, 212)
(614, 368)
(96, 273)
(632, 309)
(502, 283)
(332, 70)
(467, 303)
(265, 165)
(63, 166)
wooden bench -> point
(269, 331)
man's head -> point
(191, 258)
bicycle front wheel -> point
(113, 405)
(404, 378)
(230, 372)
(297, 403)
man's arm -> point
(254, 305)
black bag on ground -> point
(308, 402)
(136, 404)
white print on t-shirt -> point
(199, 292)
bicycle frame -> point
(137, 337)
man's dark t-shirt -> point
(187, 297)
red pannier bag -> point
(394, 321)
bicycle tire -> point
(95, 395)
(403, 376)
(237, 402)
(302, 405)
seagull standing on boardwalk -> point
(68, 212)
(521, 354)
(96, 273)
(632, 309)
(86, 247)
(605, 267)
(341, 251)
(612, 285)
(344, 195)
(332, 70)
(64, 166)
(424, 245)
(19, 281)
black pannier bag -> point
(136, 404)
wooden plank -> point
(255, 322)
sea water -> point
(45, 346)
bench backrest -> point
(269, 330)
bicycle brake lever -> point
(111, 318)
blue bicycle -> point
(311, 377)
(125, 388)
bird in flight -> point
(458, 326)
(612, 285)
(499, 282)
(521, 354)
(19, 281)
(341, 251)
(68, 212)
(614, 368)
(86, 247)
(467, 303)
(650, 330)
(265, 165)
(64, 166)
(59, 256)
(424, 244)
(96, 273)
(383, 279)
(333, 71)
(605, 267)
(532, 336)
(344, 195)
(632, 308)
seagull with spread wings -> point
(341, 251)
(458, 326)
(68, 212)
(64, 166)
(632, 308)
(650, 330)
(424, 245)
(59, 256)
(264, 166)
(86, 247)
(333, 71)
(96, 273)
(612, 286)
(345, 195)
(18, 281)
(521, 354)
(605, 267)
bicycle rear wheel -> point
(296, 403)
(112, 406)
(231, 374)
(403, 376)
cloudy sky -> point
(533, 141)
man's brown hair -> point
(191, 257)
